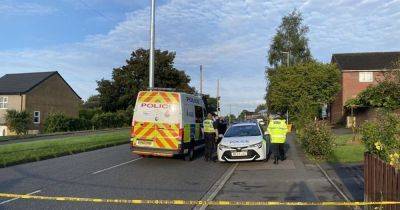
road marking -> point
(121, 164)
(16, 198)
(194, 202)
(212, 193)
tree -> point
(231, 118)
(18, 122)
(121, 91)
(243, 114)
(290, 37)
(260, 107)
(210, 103)
(92, 102)
(302, 89)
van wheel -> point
(190, 155)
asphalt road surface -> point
(117, 174)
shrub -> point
(78, 124)
(382, 136)
(59, 122)
(317, 139)
(107, 120)
(18, 122)
(89, 113)
(125, 116)
(56, 122)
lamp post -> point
(152, 40)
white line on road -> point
(13, 199)
(121, 164)
(212, 193)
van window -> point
(198, 113)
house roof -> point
(21, 83)
(365, 60)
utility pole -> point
(218, 97)
(152, 40)
(201, 79)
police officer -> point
(277, 130)
(210, 136)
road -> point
(116, 173)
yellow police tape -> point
(193, 202)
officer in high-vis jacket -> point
(277, 129)
(210, 137)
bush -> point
(317, 139)
(78, 124)
(382, 136)
(59, 122)
(126, 116)
(89, 113)
(107, 120)
(18, 122)
(56, 122)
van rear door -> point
(157, 118)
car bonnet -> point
(240, 141)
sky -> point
(85, 39)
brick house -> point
(359, 70)
(40, 93)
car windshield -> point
(243, 130)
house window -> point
(36, 117)
(3, 102)
(365, 77)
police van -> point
(167, 123)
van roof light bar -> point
(162, 89)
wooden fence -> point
(382, 181)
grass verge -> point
(3, 138)
(12, 154)
(347, 150)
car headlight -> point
(259, 145)
(223, 147)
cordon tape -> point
(193, 202)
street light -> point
(152, 38)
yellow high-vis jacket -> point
(208, 126)
(277, 130)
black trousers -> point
(209, 145)
(279, 150)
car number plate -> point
(144, 143)
(242, 153)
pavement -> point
(294, 179)
(117, 174)
(348, 177)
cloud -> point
(9, 7)
(230, 39)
